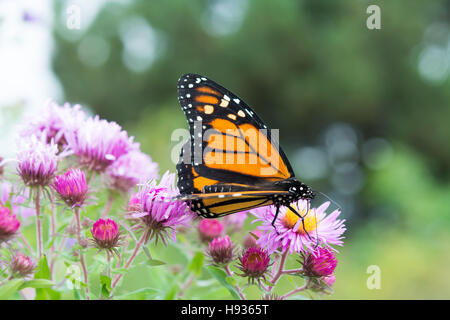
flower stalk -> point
(38, 221)
(82, 261)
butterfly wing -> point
(230, 147)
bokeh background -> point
(363, 114)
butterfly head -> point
(301, 190)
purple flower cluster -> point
(100, 146)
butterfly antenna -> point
(331, 200)
(317, 233)
(315, 221)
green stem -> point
(108, 205)
(130, 260)
(238, 289)
(38, 221)
(302, 288)
(83, 263)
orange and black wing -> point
(230, 149)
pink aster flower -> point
(254, 263)
(71, 187)
(320, 263)
(159, 212)
(221, 250)
(22, 265)
(36, 161)
(8, 224)
(291, 235)
(106, 234)
(55, 122)
(98, 143)
(130, 169)
(208, 229)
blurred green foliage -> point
(302, 65)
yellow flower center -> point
(290, 219)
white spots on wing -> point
(181, 86)
(221, 196)
(224, 103)
(241, 114)
(190, 85)
(199, 118)
(203, 78)
(198, 80)
(237, 194)
(237, 100)
(188, 95)
(199, 135)
(231, 116)
(209, 109)
(226, 97)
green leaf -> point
(141, 294)
(196, 263)
(221, 276)
(37, 283)
(76, 294)
(170, 295)
(9, 288)
(154, 262)
(119, 271)
(43, 271)
(231, 280)
(147, 253)
(105, 282)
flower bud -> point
(8, 224)
(209, 229)
(71, 187)
(221, 250)
(106, 234)
(36, 162)
(320, 263)
(22, 265)
(254, 263)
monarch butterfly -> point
(232, 162)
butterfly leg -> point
(275, 218)
(303, 220)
